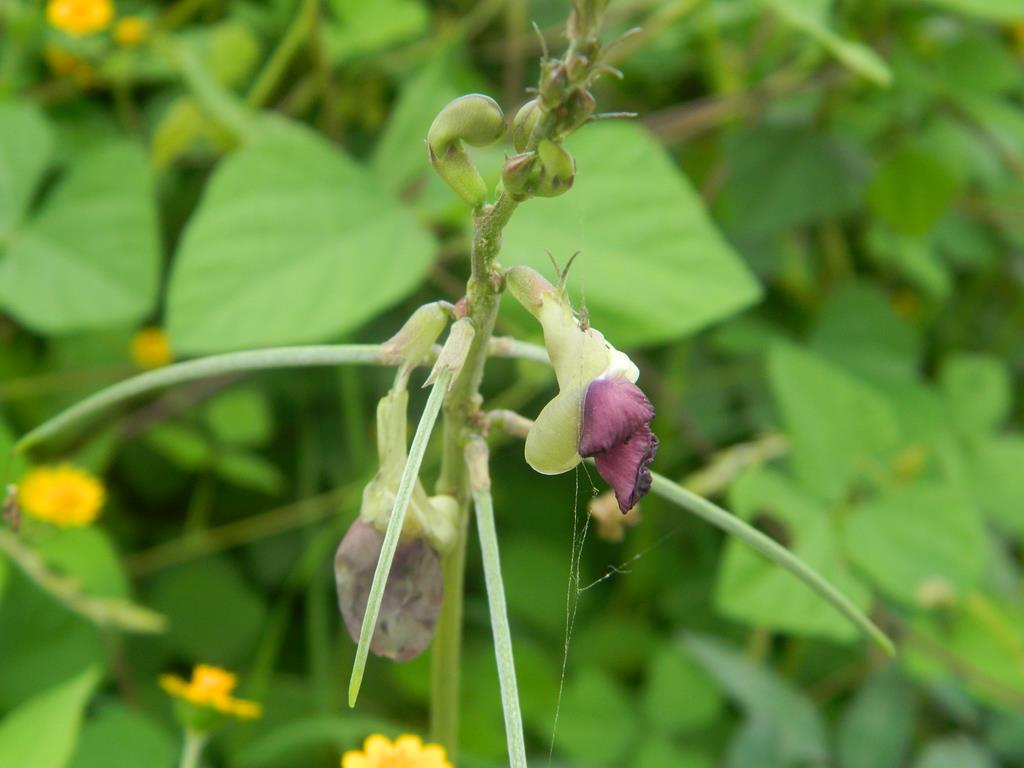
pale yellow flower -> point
(405, 752)
(211, 688)
(80, 17)
(131, 31)
(62, 495)
(151, 348)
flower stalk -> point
(192, 749)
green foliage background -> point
(811, 241)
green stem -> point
(235, 362)
(219, 103)
(110, 612)
(274, 69)
(778, 554)
(483, 292)
(476, 459)
(395, 524)
(192, 750)
(216, 365)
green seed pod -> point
(525, 121)
(518, 173)
(557, 170)
(476, 120)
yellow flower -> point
(80, 17)
(151, 348)
(406, 752)
(62, 495)
(210, 688)
(131, 31)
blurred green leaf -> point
(119, 737)
(772, 705)
(663, 754)
(230, 51)
(911, 190)
(620, 645)
(917, 539)
(91, 256)
(989, 10)
(760, 593)
(42, 643)
(13, 467)
(996, 480)
(678, 695)
(914, 259)
(43, 731)
(88, 555)
(26, 143)
(292, 242)
(977, 390)
(810, 17)
(283, 746)
(813, 177)
(841, 431)
(367, 26)
(985, 632)
(954, 752)
(652, 265)
(592, 697)
(859, 330)
(877, 728)
(214, 615)
(240, 416)
(536, 580)
(250, 470)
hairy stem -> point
(460, 411)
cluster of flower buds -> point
(476, 120)
(546, 172)
(415, 585)
(599, 411)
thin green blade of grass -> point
(778, 554)
(395, 523)
(499, 626)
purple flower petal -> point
(412, 596)
(617, 432)
(613, 409)
(625, 467)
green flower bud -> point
(574, 112)
(412, 344)
(557, 170)
(525, 121)
(476, 120)
(430, 518)
(517, 175)
(554, 83)
(456, 349)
